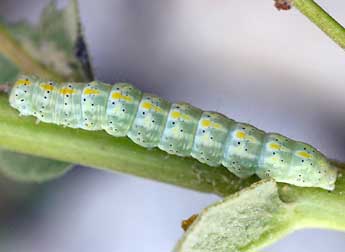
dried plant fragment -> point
(186, 223)
(283, 4)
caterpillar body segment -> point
(178, 128)
(149, 122)
(122, 106)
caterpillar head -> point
(20, 96)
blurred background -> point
(273, 69)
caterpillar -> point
(176, 128)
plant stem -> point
(315, 208)
(99, 149)
(322, 19)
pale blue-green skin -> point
(179, 129)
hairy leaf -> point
(237, 222)
(56, 42)
(9, 71)
(21, 167)
(55, 47)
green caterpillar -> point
(178, 128)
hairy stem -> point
(322, 19)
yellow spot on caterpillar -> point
(243, 135)
(208, 123)
(118, 96)
(65, 91)
(47, 87)
(275, 146)
(23, 82)
(177, 115)
(240, 134)
(89, 91)
(148, 106)
(304, 154)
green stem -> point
(322, 19)
(99, 149)
(314, 208)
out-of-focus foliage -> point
(56, 42)
(21, 167)
(237, 222)
(263, 213)
(57, 46)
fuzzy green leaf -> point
(56, 42)
(9, 71)
(263, 213)
(24, 168)
(237, 222)
(55, 49)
